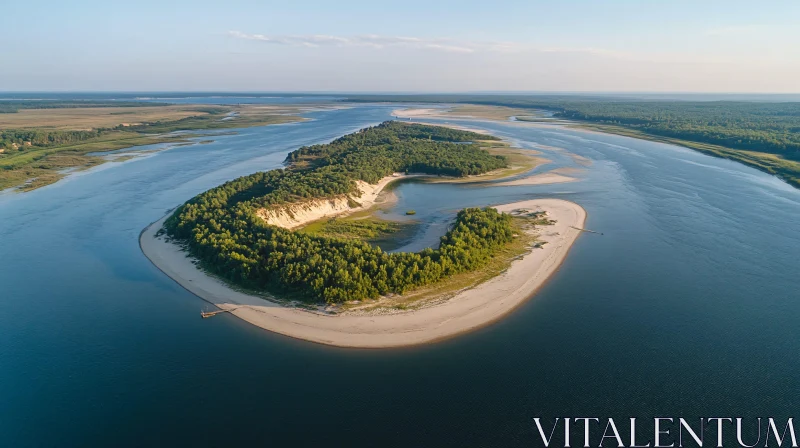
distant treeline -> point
(765, 127)
(44, 138)
(13, 106)
(768, 127)
(23, 139)
(221, 228)
(31, 139)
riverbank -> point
(785, 169)
(468, 310)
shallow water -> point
(686, 306)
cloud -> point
(368, 40)
(437, 44)
(520, 50)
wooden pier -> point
(207, 314)
(586, 230)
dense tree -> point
(765, 127)
(220, 227)
(39, 138)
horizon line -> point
(418, 92)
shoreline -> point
(468, 310)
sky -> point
(402, 46)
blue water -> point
(686, 306)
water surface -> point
(686, 306)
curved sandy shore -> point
(466, 311)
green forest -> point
(24, 138)
(220, 227)
(738, 130)
(766, 127)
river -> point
(687, 305)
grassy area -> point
(788, 170)
(498, 113)
(30, 167)
(222, 118)
(14, 106)
(95, 117)
(388, 235)
(37, 168)
(39, 175)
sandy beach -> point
(461, 112)
(468, 310)
(537, 179)
(421, 112)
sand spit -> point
(466, 311)
(452, 126)
(422, 112)
(537, 179)
(461, 112)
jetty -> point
(207, 314)
(586, 230)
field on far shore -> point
(86, 118)
(95, 117)
(26, 167)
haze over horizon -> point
(411, 46)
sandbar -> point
(536, 179)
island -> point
(251, 253)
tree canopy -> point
(221, 228)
